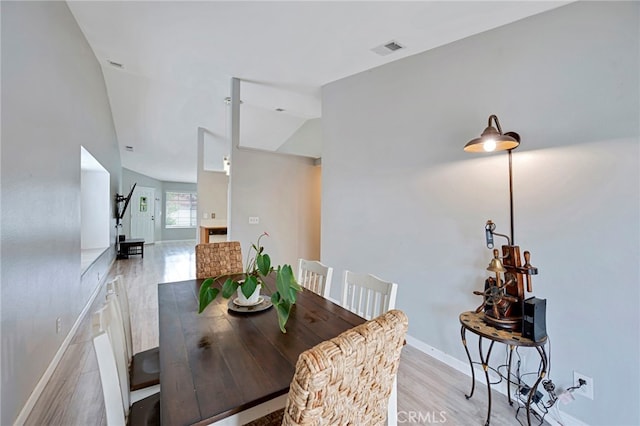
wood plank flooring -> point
(429, 392)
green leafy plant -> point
(257, 268)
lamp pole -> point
(516, 137)
(492, 139)
(511, 195)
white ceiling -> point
(179, 57)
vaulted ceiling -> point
(168, 65)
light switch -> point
(205, 216)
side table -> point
(474, 322)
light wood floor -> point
(429, 392)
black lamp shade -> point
(491, 140)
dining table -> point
(229, 360)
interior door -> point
(142, 208)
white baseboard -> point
(463, 367)
(37, 391)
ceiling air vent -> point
(129, 148)
(115, 64)
(388, 48)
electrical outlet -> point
(585, 390)
(213, 215)
(58, 325)
(254, 220)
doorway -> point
(143, 214)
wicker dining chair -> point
(348, 379)
(215, 259)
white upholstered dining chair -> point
(144, 366)
(315, 276)
(122, 407)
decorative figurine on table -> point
(503, 294)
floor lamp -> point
(503, 297)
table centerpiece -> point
(258, 266)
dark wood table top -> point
(218, 363)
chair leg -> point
(392, 414)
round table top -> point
(474, 322)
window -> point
(181, 209)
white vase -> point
(251, 300)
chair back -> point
(117, 287)
(348, 379)
(108, 320)
(144, 366)
(107, 366)
(315, 276)
(367, 295)
(109, 380)
(215, 259)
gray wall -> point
(403, 201)
(129, 177)
(213, 197)
(213, 182)
(284, 192)
(53, 101)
